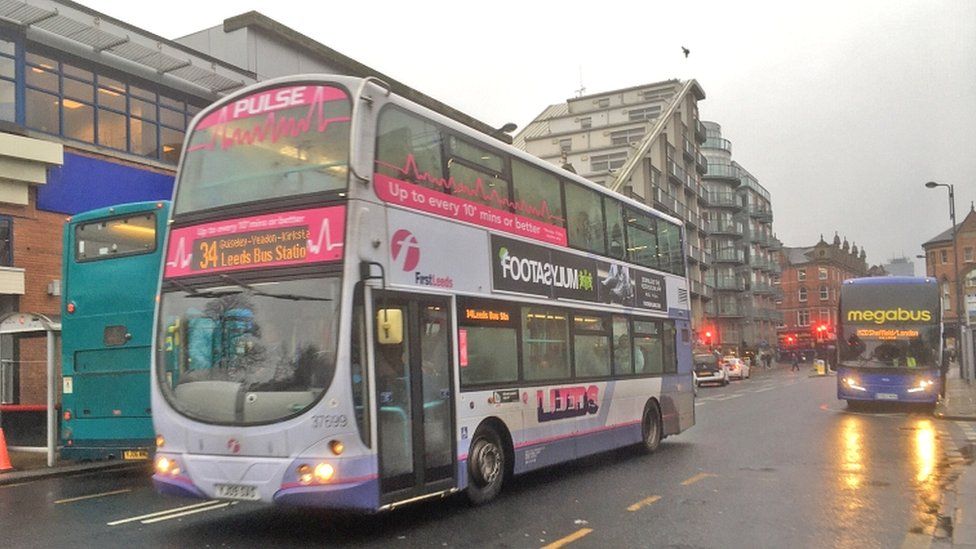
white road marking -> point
(190, 512)
(92, 496)
(151, 515)
(764, 389)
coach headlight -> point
(852, 382)
(923, 385)
(324, 472)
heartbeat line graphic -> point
(273, 127)
(181, 260)
(325, 237)
(411, 171)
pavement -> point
(32, 465)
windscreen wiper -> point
(197, 293)
(256, 291)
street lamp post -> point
(962, 316)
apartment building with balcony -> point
(810, 282)
(744, 272)
(644, 142)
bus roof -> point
(120, 209)
(890, 280)
(484, 139)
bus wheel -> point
(651, 429)
(486, 466)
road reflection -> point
(928, 481)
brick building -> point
(940, 263)
(810, 283)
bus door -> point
(413, 394)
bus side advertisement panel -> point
(424, 252)
(272, 240)
(530, 269)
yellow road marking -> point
(643, 503)
(568, 539)
(696, 478)
(92, 496)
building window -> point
(603, 102)
(8, 87)
(822, 273)
(802, 293)
(605, 162)
(824, 315)
(623, 137)
(967, 254)
(945, 256)
(565, 145)
(824, 293)
(85, 104)
(645, 113)
(6, 241)
(586, 123)
(801, 275)
(803, 318)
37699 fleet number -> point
(330, 421)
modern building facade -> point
(900, 266)
(643, 142)
(810, 284)
(743, 312)
(941, 263)
(93, 113)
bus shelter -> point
(33, 325)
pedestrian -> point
(767, 359)
(794, 362)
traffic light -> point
(708, 337)
(790, 340)
(821, 332)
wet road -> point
(774, 461)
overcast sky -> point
(842, 109)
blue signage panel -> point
(85, 183)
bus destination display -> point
(289, 238)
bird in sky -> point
(686, 51)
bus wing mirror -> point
(389, 326)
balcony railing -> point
(695, 254)
(729, 283)
(689, 150)
(718, 143)
(700, 133)
(676, 171)
(728, 256)
(701, 163)
(729, 309)
(720, 227)
(706, 256)
(724, 200)
(762, 288)
(665, 201)
(759, 211)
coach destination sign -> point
(526, 268)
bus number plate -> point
(237, 491)
(886, 396)
(135, 454)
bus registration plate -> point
(886, 396)
(135, 454)
(237, 491)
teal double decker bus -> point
(111, 260)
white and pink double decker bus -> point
(364, 303)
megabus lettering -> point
(881, 316)
(567, 402)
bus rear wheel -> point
(486, 466)
(651, 429)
